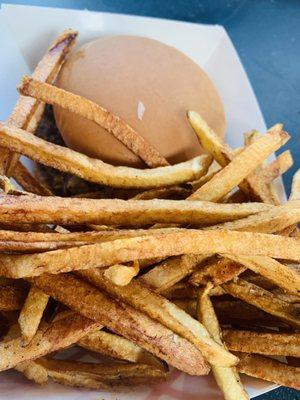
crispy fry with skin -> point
(278, 273)
(124, 320)
(227, 378)
(264, 300)
(32, 313)
(280, 344)
(33, 371)
(64, 211)
(94, 170)
(295, 192)
(59, 334)
(217, 271)
(27, 111)
(164, 193)
(118, 347)
(28, 182)
(269, 370)
(85, 108)
(270, 221)
(11, 297)
(158, 245)
(101, 376)
(240, 167)
(157, 307)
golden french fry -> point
(269, 370)
(277, 167)
(122, 275)
(279, 344)
(295, 192)
(217, 271)
(118, 347)
(33, 371)
(28, 182)
(124, 320)
(94, 170)
(32, 312)
(158, 245)
(94, 112)
(27, 111)
(240, 167)
(119, 212)
(227, 378)
(157, 307)
(264, 300)
(11, 297)
(164, 193)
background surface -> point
(266, 34)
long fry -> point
(27, 112)
(93, 170)
(157, 307)
(240, 167)
(277, 167)
(227, 378)
(35, 209)
(159, 245)
(28, 181)
(33, 371)
(124, 320)
(264, 300)
(269, 370)
(94, 112)
(32, 312)
(280, 344)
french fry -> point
(157, 307)
(240, 167)
(227, 378)
(28, 182)
(277, 167)
(85, 108)
(124, 320)
(264, 300)
(94, 170)
(27, 111)
(122, 275)
(101, 376)
(279, 344)
(11, 297)
(171, 271)
(164, 193)
(118, 347)
(269, 370)
(59, 334)
(36, 209)
(33, 371)
(181, 290)
(270, 221)
(295, 192)
(159, 245)
(217, 271)
(276, 272)
(32, 313)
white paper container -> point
(25, 34)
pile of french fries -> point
(207, 282)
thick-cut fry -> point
(269, 370)
(159, 245)
(94, 112)
(227, 378)
(122, 275)
(279, 344)
(264, 300)
(240, 167)
(171, 271)
(157, 307)
(295, 192)
(59, 334)
(280, 274)
(33, 371)
(27, 111)
(124, 320)
(118, 347)
(94, 170)
(28, 182)
(270, 221)
(101, 376)
(11, 297)
(217, 271)
(35, 209)
(32, 313)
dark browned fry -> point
(11, 297)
